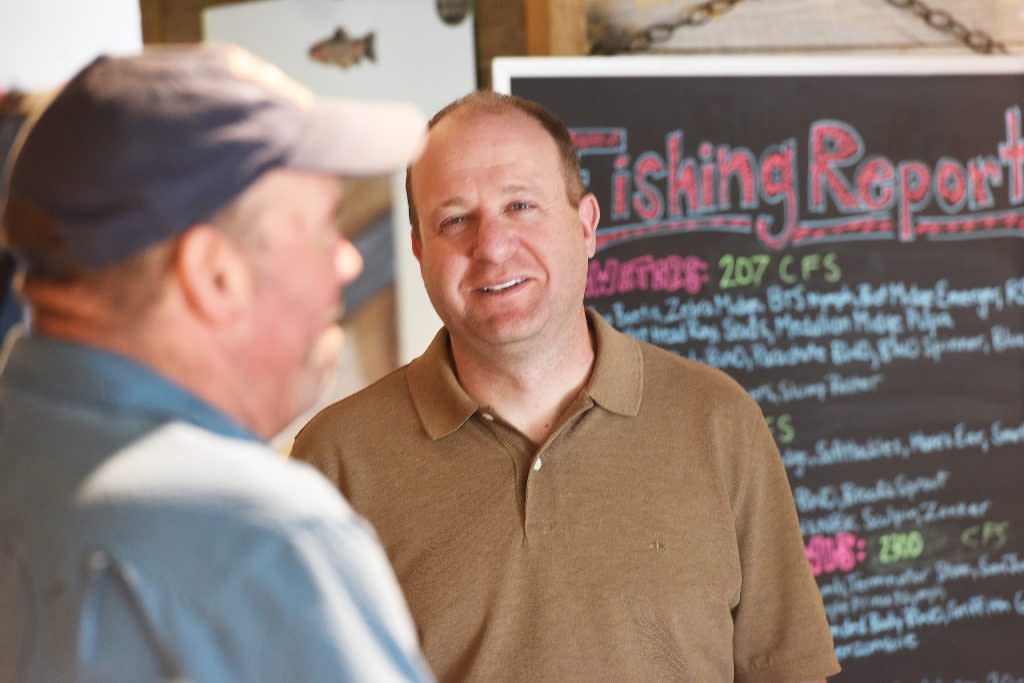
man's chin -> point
(328, 344)
(308, 386)
(324, 356)
(504, 331)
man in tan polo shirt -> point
(560, 501)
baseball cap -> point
(134, 150)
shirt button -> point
(487, 416)
(536, 465)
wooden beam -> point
(153, 14)
(500, 31)
(556, 27)
(175, 21)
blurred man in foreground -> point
(175, 210)
(565, 503)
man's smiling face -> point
(502, 250)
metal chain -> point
(614, 41)
(943, 21)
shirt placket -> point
(539, 472)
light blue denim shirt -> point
(146, 536)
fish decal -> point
(342, 50)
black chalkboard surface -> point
(843, 237)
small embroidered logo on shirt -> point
(657, 544)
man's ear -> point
(589, 215)
(213, 273)
(417, 245)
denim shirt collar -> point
(73, 372)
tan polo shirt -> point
(653, 536)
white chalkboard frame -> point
(504, 69)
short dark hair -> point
(487, 102)
(31, 232)
(129, 287)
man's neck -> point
(530, 388)
(167, 345)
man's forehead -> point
(489, 138)
(457, 197)
(480, 115)
(479, 143)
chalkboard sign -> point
(843, 237)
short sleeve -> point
(780, 629)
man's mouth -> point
(502, 286)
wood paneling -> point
(500, 32)
(556, 27)
(175, 21)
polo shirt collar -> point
(617, 382)
(443, 406)
(441, 402)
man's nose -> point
(348, 263)
(495, 239)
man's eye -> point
(452, 221)
(519, 206)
